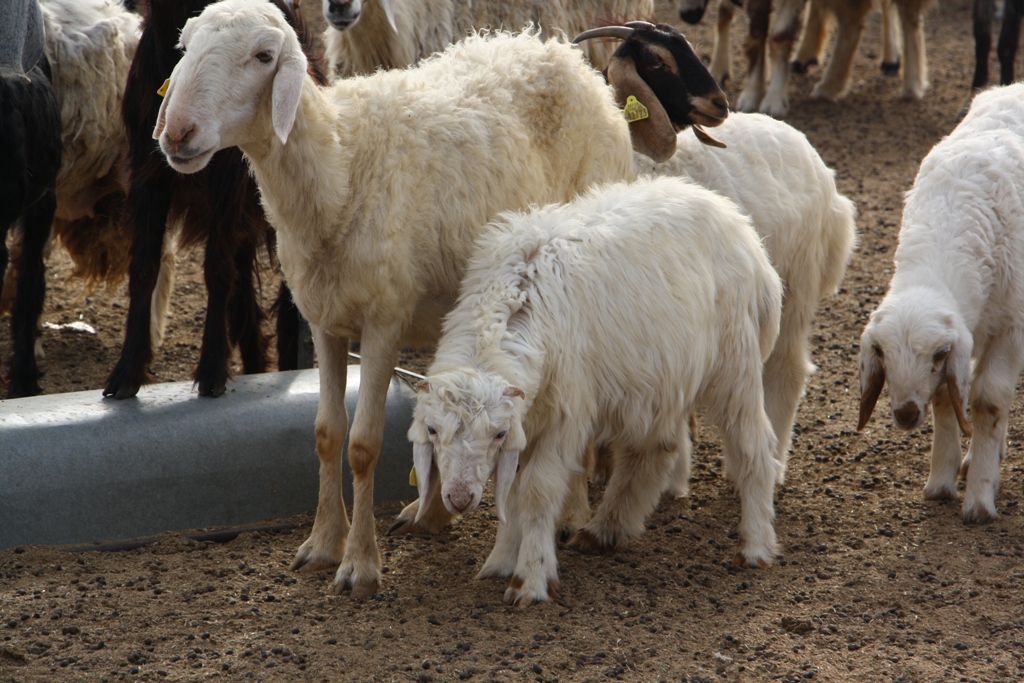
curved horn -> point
(639, 24)
(621, 32)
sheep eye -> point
(500, 435)
(940, 356)
(431, 431)
(264, 57)
(878, 351)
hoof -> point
(587, 543)
(515, 595)
(740, 561)
(309, 559)
(890, 68)
(943, 494)
(407, 526)
(979, 515)
(801, 67)
(212, 389)
(311, 564)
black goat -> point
(30, 153)
(219, 206)
(1009, 38)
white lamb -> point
(958, 293)
(609, 318)
(365, 35)
(777, 178)
(378, 188)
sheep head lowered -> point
(469, 425)
(657, 65)
(221, 87)
(917, 341)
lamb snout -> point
(908, 416)
(341, 15)
(460, 498)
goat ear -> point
(653, 135)
(389, 12)
(872, 379)
(958, 380)
(504, 475)
(423, 461)
(291, 74)
(705, 138)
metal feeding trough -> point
(77, 468)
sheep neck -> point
(304, 183)
(957, 264)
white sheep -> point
(609, 318)
(399, 172)
(958, 293)
(365, 35)
(775, 176)
(90, 45)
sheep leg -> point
(501, 562)
(754, 87)
(786, 29)
(246, 317)
(721, 62)
(679, 480)
(890, 39)
(576, 510)
(287, 315)
(982, 14)
(748, 449)
(995, 380)
(149, 206)
(539, 493)
(360, 566)
(435, 517)
(915, 63)
(325, 546)
(30, 293)
(632, 494)
(946, 454)
(785, 377)
(161, 299)
(1009, 39)
(836, 80)
(813, 41)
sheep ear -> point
(389, 11)
(504, 475)
(650, 128)
(161, 115)
(291, 74)
(423, 461)
(958, 382)
(872, 379)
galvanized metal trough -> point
(77, 468)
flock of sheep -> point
(591, 279)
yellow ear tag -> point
(163, 88)
(634, 109)
(412, 477)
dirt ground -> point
(873, 582)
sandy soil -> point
(873, 583)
